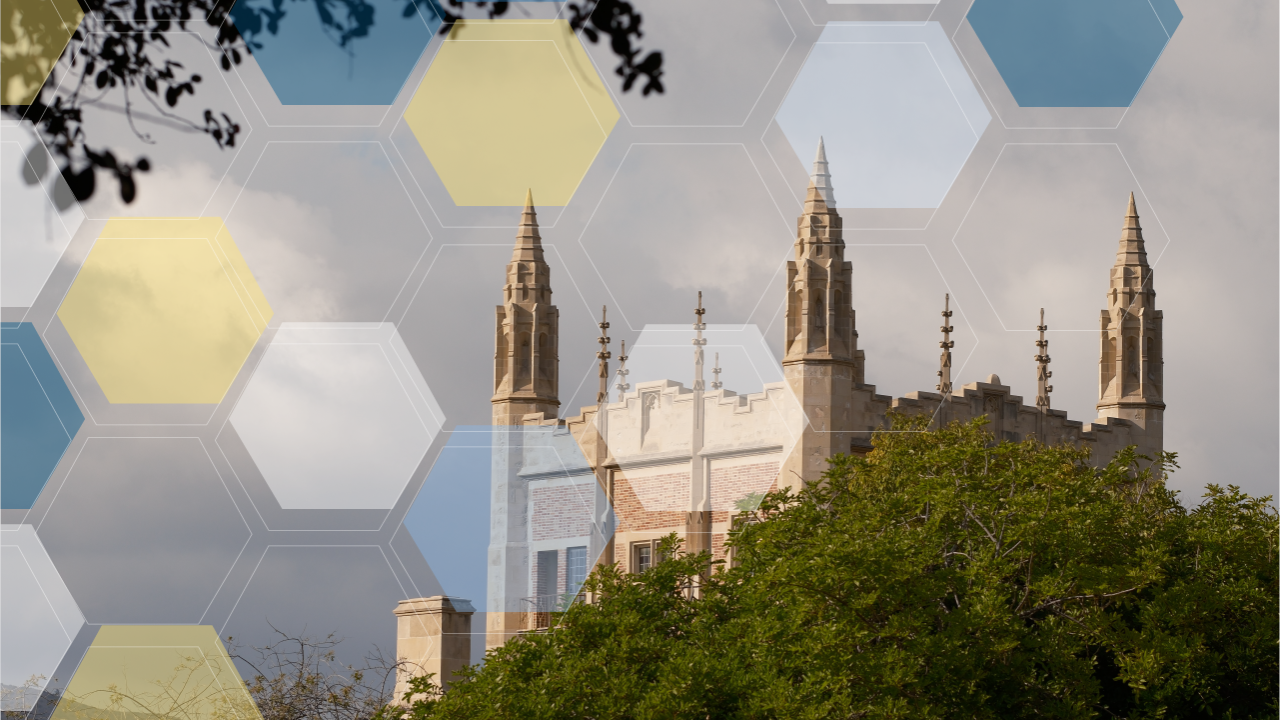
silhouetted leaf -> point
(36, 166)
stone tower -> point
(526, 370)
(821, 360)
(1131, 377)
(526, 364)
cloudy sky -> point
(160, 514)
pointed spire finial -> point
(623, 386)
(820, 180)
(1043, 388)
(527, 235)
(1133, 250)
(944, 370)
(602, 396)
(698, 343)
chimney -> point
(433, 635)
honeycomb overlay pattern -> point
(164, 310)
(510, 105)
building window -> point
(641, 556)
(576, 563)
(548, 570)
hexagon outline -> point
(266, 550)
(71, 434)
(540, 438)
(313, 121)
(231, 263)
(1150, 209)
(862, 4)
(1159, 21)
(407, 195)
(788, 224)
(223, 655)
(70, 28)
(221, 480)
(52, 178)
(398, 360)
(242, 120)
(1017, 109)
(955, 302)
(560, 53)
(923, 28)
(15, 535)
(751, 111)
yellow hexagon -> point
(509, 105)
(157, 671)
(33, 34)
(164, 310)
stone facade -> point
(661, 457)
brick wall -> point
(730, 484)
(634, 515)
(561, 512)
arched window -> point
(523, 364)
(819, 312)
(544, 360)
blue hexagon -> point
(38, 417)
(896, 108)
(358, 52)
(1074, 53)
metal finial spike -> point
(698, 343)
(602, 395)
(1043, 388)
(944, 362)
(623, 372)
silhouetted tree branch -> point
(123, 45)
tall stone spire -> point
(821, 178)
(1131, 368)
(821, 361)
(526, 346)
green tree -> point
(944, 575)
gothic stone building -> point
(660, 457)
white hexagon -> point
(38, 216)
(39, 617)
(751, 422)
(337, 416)
(896, 107)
